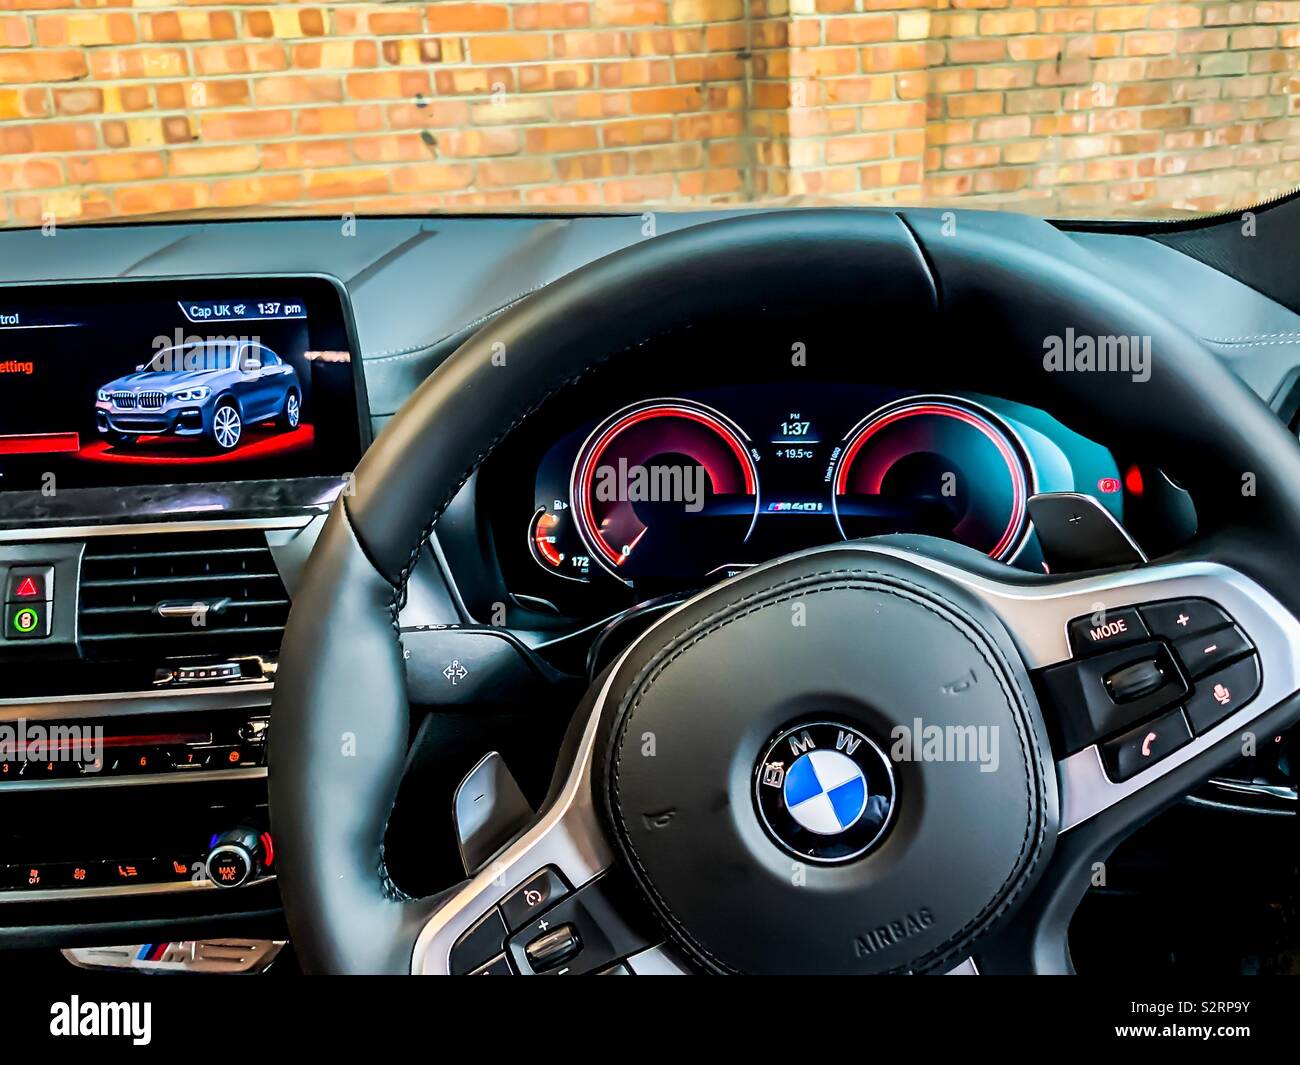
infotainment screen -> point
(164, 382)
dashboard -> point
(165, 558)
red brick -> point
(232, 159)
(466, 18)
(510, 48)
(551, 16)
(245, 125)
(17, 67)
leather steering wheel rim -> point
(340, 713)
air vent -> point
(148, 598)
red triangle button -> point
(26, 589)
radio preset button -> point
(189, 757)
(140, 760)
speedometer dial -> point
(667, 488)
(937, 466)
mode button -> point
(1104, 629)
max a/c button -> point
(1105, 629)
(1129, 754)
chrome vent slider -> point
(195, 611)
(174, 595)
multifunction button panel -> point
(543, 928)
(1146, 679)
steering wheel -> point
(683, 824)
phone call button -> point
(1129, 754)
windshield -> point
(138, 109)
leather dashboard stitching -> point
(811, 584)
(1253, 343)
(1253, 338)
(397, 354)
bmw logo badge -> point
(824, 791)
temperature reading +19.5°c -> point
(794, 438)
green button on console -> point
(27, 621)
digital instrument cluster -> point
(675, 491)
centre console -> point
(168, 452)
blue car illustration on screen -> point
(210, 391)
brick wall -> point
(120, 107)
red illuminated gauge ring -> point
(545, 553)
(873, 423)
(589, 457)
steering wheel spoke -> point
(553, 900)
(1196, 648)
(1130, 739)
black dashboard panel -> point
(417, 284)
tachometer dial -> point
(548, 536)
(937, 466)
(666, 488)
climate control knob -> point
(236, 857)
